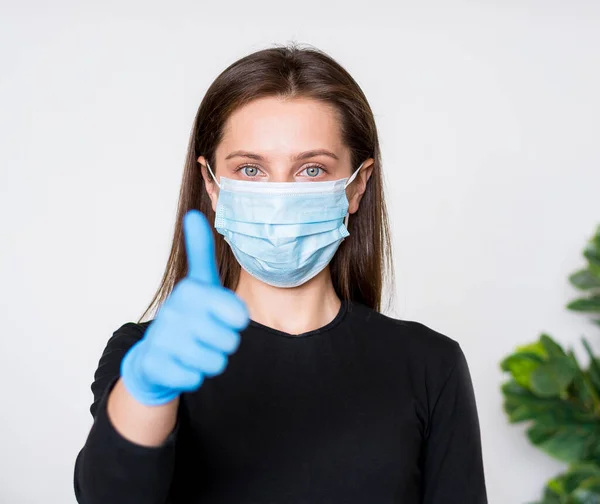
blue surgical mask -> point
(283, 233)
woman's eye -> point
(312, 171)
(250, 171)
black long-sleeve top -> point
(365, 410)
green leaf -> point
(553, 349)
(577, 474)
(569, 443)
(553, 492)
(552, 377)
(589, 304)
(582, 387)
(588, 492)
(585, 279)
(520, 365)
(536, 348)
(557, 485)
(592, 251)
(594, 367)
(550, 498)
(520, 404)
(559, 488)
(519, 411)
(564, 415)
(512, 388)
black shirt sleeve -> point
(453, 468)
(109, 468)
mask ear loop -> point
(350, 180)
(213, 175)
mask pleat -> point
(282, 209)
(279, 233)
(290, 251)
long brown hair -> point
(361, 263)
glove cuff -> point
(131, 376)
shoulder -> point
(417, 357)
(127, 334)
(121, 340)
(414, 338)
(408, 350)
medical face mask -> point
(283, 233)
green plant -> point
(560, 398)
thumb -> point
(200, 248)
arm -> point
(128, 456)
(453, 466)
(144, 425)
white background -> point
(489, 120)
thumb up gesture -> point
(195, 330)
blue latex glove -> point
(194, 331)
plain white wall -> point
(489, 122)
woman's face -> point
(285, 140)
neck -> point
(293, 310)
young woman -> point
(269, 375)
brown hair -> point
(361, 262)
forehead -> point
(283, 125)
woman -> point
(269, 374)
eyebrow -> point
(297, 157)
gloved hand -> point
(195, 330)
